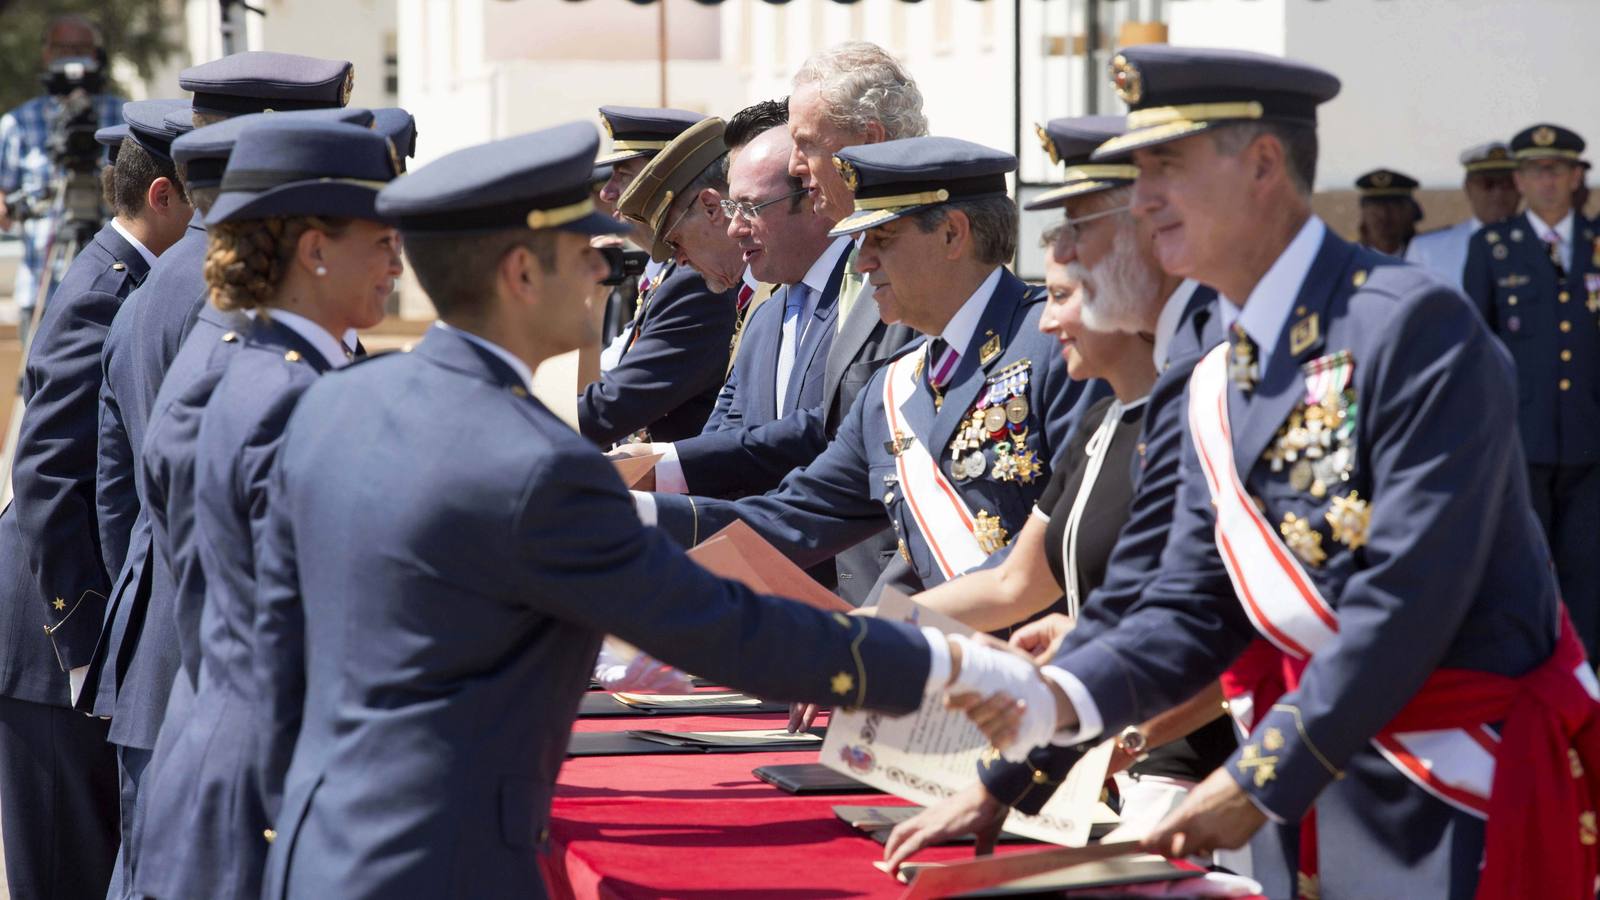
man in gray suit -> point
(847, 95)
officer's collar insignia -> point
(1303, 334)
(1048, 145)
(1359, 278)
(848, 173)
(1544, 136)
(990, 350)
(1129, 84)
(1491, 236)
(1516, 234)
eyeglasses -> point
(750, 211)
(666, 236)
(1072, 229)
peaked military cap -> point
(203, 153)
(893, 178)
(289, 166)
(648, 200)
(400, 127)
(1494, 155)
(1070, 142)
(150, 126)
(262, 80)
(110, 137)
(538, 180)
(1381, 183)
(1174, 92)
(1546, 141)
(638, 131)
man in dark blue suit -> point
(1347, 536)
(57, 776)
(952, 443)
(478, 618)
(1536, 279)
(671, 359)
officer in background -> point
(1491, 192)
(952, 442)
(1389, 210)
(671, 359)
(459, 690)
(1536, 278)
(57, 775)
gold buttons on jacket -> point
(1566, 384)
(1566, 356)
(292, 356)
(1563, 296)
(1565, 325)
(1511, 300)
(230, 337)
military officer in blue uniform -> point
(1184, 324)
(132, 687)
(479, 618)
(1536, 278)
(1324, 518)
(951, 443)
(673, 356)
(1389, 211)
(202, 832)
(57, 775)
(1491, 191)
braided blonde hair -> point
(246, 261)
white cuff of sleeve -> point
(645, 505)
(1276, 819)
(1089, 722)
(669, 472)
(938, 659)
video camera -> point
(623, 264)
(74, 154)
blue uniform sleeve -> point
(279, 640)
(54, 476)
(742, 461)
(116, 499)
(813, 514)
(617, 576)
(680, 352)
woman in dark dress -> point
(1061, 555)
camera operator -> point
(26, 165)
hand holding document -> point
(638, 473)
(935, 752)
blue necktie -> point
(794, 330)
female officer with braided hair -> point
(295, 243)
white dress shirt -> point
(149, 258)
(1170, 318)
(1562, 230)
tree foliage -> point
(135, 31)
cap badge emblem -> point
(848, 173)
(1382, 179)
(1544, 136)
(1129, 85)
(349, 85)
(1048, 145)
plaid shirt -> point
(24, 163)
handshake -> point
(999, 686)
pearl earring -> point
(321, 271)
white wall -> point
(1423, 79)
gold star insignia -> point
(843, 683)
(1263, 768)
(60, 603)
(1303, 539)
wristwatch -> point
(1132, 742)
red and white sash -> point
(1457, 764)
(936, 507)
